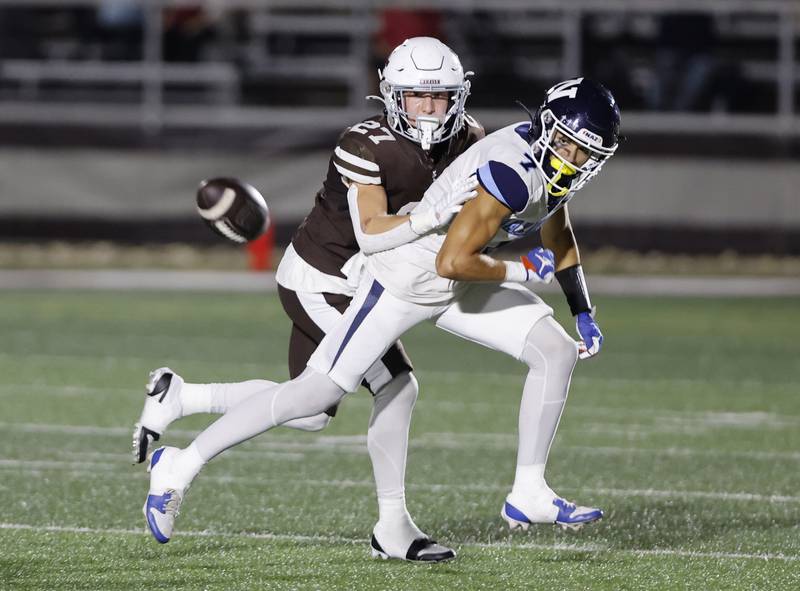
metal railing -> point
(356, 21)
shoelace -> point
(172, 506)
(569, 504)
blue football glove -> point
(590, 333)
(540, 264)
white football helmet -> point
(424, 64)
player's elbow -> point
(447, 265)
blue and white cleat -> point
(559, 511)
(162, 405)
(164, 498)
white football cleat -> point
(162, 405)
(521, 513)
(420, 549)
(165, 495)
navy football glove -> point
(590, 333)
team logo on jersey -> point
(517, 228)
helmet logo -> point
(567, 88)
(429, 81)
(591, 138)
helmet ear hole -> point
(386, 88)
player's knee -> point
(407, 386)
(393, 405)
(564, 349)
(313, 423)
(549, 348)
(404, 385)
(323, 391)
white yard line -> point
(429, 440)
(257, 369)
(81, 469)
(591, 549)
(517, 377)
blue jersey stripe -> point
(372, 298)
(504, 184)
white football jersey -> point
(504, 166)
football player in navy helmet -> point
(379, 169)
(526, 173)
(581, 112)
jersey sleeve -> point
(504, 184)
(355, 161)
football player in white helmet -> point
(418, 68)
(527, 173)
(379, 169)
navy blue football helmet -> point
(587, 114)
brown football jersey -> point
(370, 152)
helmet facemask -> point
(565, 178)
(426, 129)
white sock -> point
(395, 530)
(550, 355)
(387, 443)
(393, 511)
(529, 481)
(218, 398)
(308, 394)
(187, 464)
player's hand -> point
(443, 210)
(590, 333)
(540, 264)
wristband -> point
(516, 272)
(422, 222)
(573, 283)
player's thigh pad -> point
(370, 325)
(495, 316)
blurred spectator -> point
(399, 24)
(685, 63)
(119, 26)
(187, 31)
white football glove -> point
(442, 211)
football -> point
(233, 209)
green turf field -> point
(686, 430)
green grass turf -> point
(685, 430)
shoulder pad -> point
(355, 160)
(475, 128)
(504, 184)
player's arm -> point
(557, 235)
(374, 227)
(371, 205)
(460, 257)
(502, 192)
(377, 230)
(359, 166)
